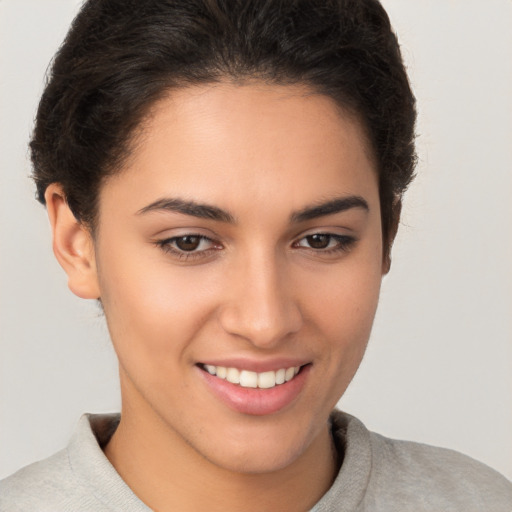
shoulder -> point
(440, 479)
(47, 485)
(78, 478)
(408, 476)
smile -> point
(248, 391)
(249, 379)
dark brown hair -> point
(120, 56)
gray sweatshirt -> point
(377, 474)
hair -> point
(121, 56)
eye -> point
(319, 241)
(326, 242)
(188, 246)
(188, 242)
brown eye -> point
(319, 241)
(188, 242)
(326, 243)
(189, 247)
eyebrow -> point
(205, 211)
(330, 207)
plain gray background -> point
(439, 365)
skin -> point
(258, 291)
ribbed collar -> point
(353, 443)
(93, 469)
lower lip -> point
(256, 401)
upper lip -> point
(256, 365)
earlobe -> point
(72, 245)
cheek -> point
(350, 321)
(346, 295)
(344, 306)
(151, 307)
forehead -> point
(216, 143)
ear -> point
(72, 245)
(392, 229)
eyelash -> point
(343, 244)
(167, 246)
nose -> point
(261, 306)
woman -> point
(226, 179)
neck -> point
(166, 473)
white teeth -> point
(289, 374)
(211, 369)
(248, 379)
(233, 375)
(266, 380)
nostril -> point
(261, 328)
(261, 306)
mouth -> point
(255, 393)
(250, 379)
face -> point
(239, 260)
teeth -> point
(211, 369)
(267, 380)
(289, 374)
(248, 379)
(233, 375)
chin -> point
(257, 458)
(264, 446)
